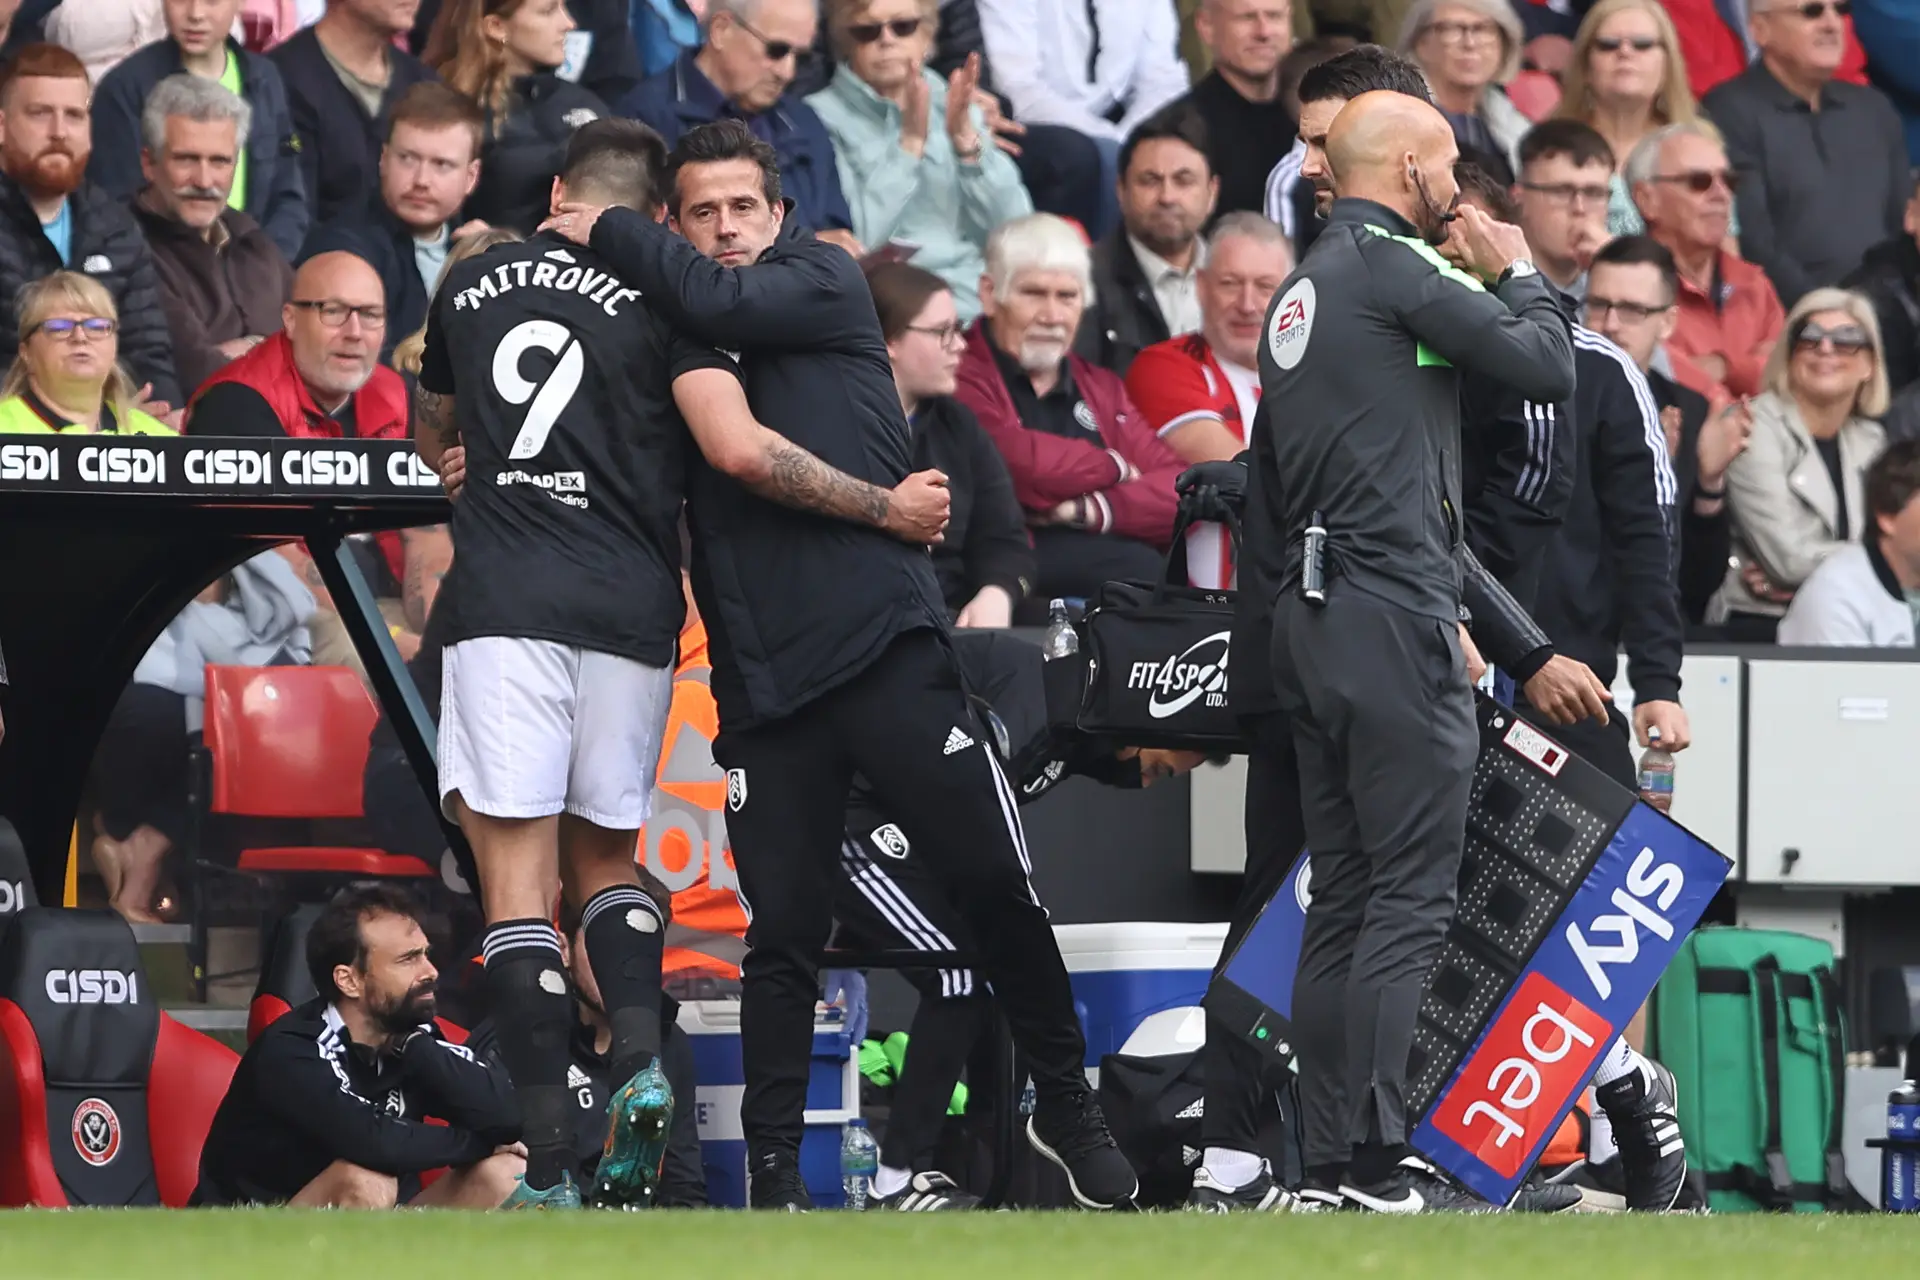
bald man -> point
(1360, 435)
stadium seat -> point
(284, 981)
(16, 874)
(1535, 93)
(290, 743)
(104, 1099)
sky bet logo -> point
(93, 986)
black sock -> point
(532, 1008)
(1327, 1177)
(626, 936)
(1374, 1162)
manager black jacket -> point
(1609, 575)
(795, 604)
(1518, 458)
(306, 1095)
(1360, 376)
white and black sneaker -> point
(1260, 1195)
(931, 1192)
(1414, 1187)
(1653, 1155)
(1313, 1198)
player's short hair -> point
(336, 938)
(195, 98)
(1577, 140)
(1038, 242)
(432, 105)
(1179, 121)
(1477, 186)
(1894, 478)
(901, 291)
(1640, 251)
(717, 142)
(49, 61)
(1367, 68)
(618, 159)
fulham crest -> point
(736, 789)
(1292, 324)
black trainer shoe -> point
(1653, 1157)
(1072, 1133)
(1415, 1187)
(925, 1193)
(1261, 1195)
(1537, 1195)
(777, 1185)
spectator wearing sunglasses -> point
(1729, 315)
(67, 375)
(1822, 164)
(753, 51)
(1716, 39)
(1797, 492)
(914, 152)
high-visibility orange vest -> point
(685, 840)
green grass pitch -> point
(285, 1245)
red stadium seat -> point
(1535, 93)
(104, 1100)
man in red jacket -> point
(1095, 481)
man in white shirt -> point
(1098, 67)
(1868, 593)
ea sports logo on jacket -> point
(1292, 325)
(96, 1132)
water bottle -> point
(1656, 774)
(1900, 1164)
(1062, 640)
(1027, 1098)
(859, 1161)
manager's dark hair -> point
(718, 141)
(1894, 478)
(1640, 251)
(1577, 140)
(1366, 68)
(1179, 121)
(901, 291)
(617, 159)
(335, 938)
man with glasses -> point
(1562, 199)
(1823, 164)
(1631, 292)
(1728, 315)
(745, 70)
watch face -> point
(1522, 268)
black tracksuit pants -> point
(1235, 1072)
(1384, 728)
(906, 725)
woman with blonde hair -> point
(407, 355)
(1797, 493)
(1626, 78)
(67, 375)
(1468, 50)
(503, 55)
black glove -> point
(1212, 490)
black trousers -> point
(889, 898)
(906, 725)
(1383, 724)
(1235, 1072)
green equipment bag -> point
(1751, 1024)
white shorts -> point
(531, 728)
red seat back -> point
(287, 742)
(191, 1073)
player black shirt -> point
(576, 456)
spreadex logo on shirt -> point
(1185, 678)
(334, 468)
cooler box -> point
(833, 1098)
(1124, 973)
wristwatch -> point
(1519, 268)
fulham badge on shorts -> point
(736, 789)
(891, 840)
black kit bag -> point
(1156, 1107)
(1152, 669)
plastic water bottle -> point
(859, 1161)
(1062, 640)
(1656, 774)
(1900, 1164)
(1027, 1098)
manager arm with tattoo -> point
(768, 464)
(434, 431)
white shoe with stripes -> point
(925, 1193)
(1653, 1155)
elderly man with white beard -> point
(1095, 482)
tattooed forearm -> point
(433, 413)
(796, 478)
(429, 555)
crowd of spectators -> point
(227, 217)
